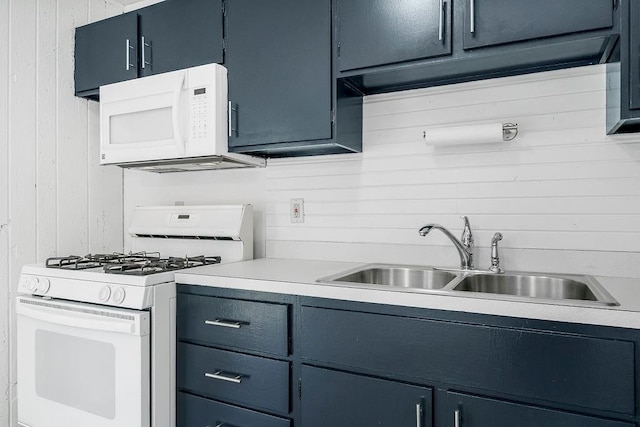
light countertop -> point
(298, 277)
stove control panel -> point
(97, 292)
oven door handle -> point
(76, 319)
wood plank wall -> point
(54, 199)
(565, 196)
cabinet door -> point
(379, 32)
(278, 53)
(338, 399)
(180, 34)
(471, 411)
(493, 22)
(633, 57)
(106, 52)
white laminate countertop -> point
(298, 277)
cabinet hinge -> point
(333, 116)
(338, 50)
(300, 388)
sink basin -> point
(390, 276)
(563, 289)
(558, 288)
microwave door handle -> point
(58, 316)
(176, 115)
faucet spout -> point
(463, 246)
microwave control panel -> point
(199, 113)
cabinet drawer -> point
(194, 411)
(338, 399)
(474, 411)
(239, 378)
(245, 325)
(570, 369)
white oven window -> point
(65, 363)
(141, 126)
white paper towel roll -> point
(465, 135)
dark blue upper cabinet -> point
(451, 41)
(494, 22)
(285, 100)
(380, 32)
(623, 75)
(278, 57)
(163, 37)
(180, 34)
(106, 52)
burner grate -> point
(139, 263)
(72, 262)
(141, 266)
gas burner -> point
(138, 265)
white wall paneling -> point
(54, 199)
(4, 214)
(566, 196)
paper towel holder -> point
(509, 131)
(468, 134)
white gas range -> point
(96, 334)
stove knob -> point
(31, 283)
(104, 294)
(118, 295)
(43, 285)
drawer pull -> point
(219, 375)
(224, 323)
(456, 418)
(418, 414)
(441, 22)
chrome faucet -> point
(495, 258)
(464, 245)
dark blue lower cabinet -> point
(195, 411)
(466, 410)
(338, 399)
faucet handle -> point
(495, 258)
(467, 236)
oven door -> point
(82, 365)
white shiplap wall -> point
(565, 196)
(54, 199)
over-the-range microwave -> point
(176, 121)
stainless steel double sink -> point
(517, 286)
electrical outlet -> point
(297, 210)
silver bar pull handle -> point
(441, 22)
(472, 14)
(456, 418)
(128, 49)
(224, 323)
(144, 45)
(219, 375)
(418, 414)
(229, 109)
